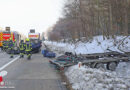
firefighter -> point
(7, 45)
(28, 48)
(22, 48)
(4, 45)
(15, 42)
(11, 47)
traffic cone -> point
(80, 64)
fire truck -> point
(5, 35)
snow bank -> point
(97, 45)
(93, 79)
(123, 70)
(85, 78)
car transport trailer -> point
(108, 62)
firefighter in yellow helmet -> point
(28, 48)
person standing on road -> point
(11, 47)
(28, 48)
(4, 44)
(7, 45)
(22, 48)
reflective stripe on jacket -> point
(28, 46)
(22, 46)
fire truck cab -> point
(5, 35)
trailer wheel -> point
(99, 65)
(111, 66)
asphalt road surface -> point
(34, 74)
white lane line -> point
(9, 63)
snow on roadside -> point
(97, 45)
(123, 69)
(94, 79)
(85, 78)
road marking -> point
(3, 67)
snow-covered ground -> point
(94, 79)
(97, 45)
(85, 78)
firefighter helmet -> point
(10, 38)
(27, 40)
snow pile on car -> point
(85, 78)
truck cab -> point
(35, 41)
(5, 35)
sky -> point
(23, 15)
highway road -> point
(34, 74)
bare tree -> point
(88, 18)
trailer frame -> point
(98, 61)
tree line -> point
(89, 18)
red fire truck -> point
(5, 35)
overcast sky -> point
(22, 15)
